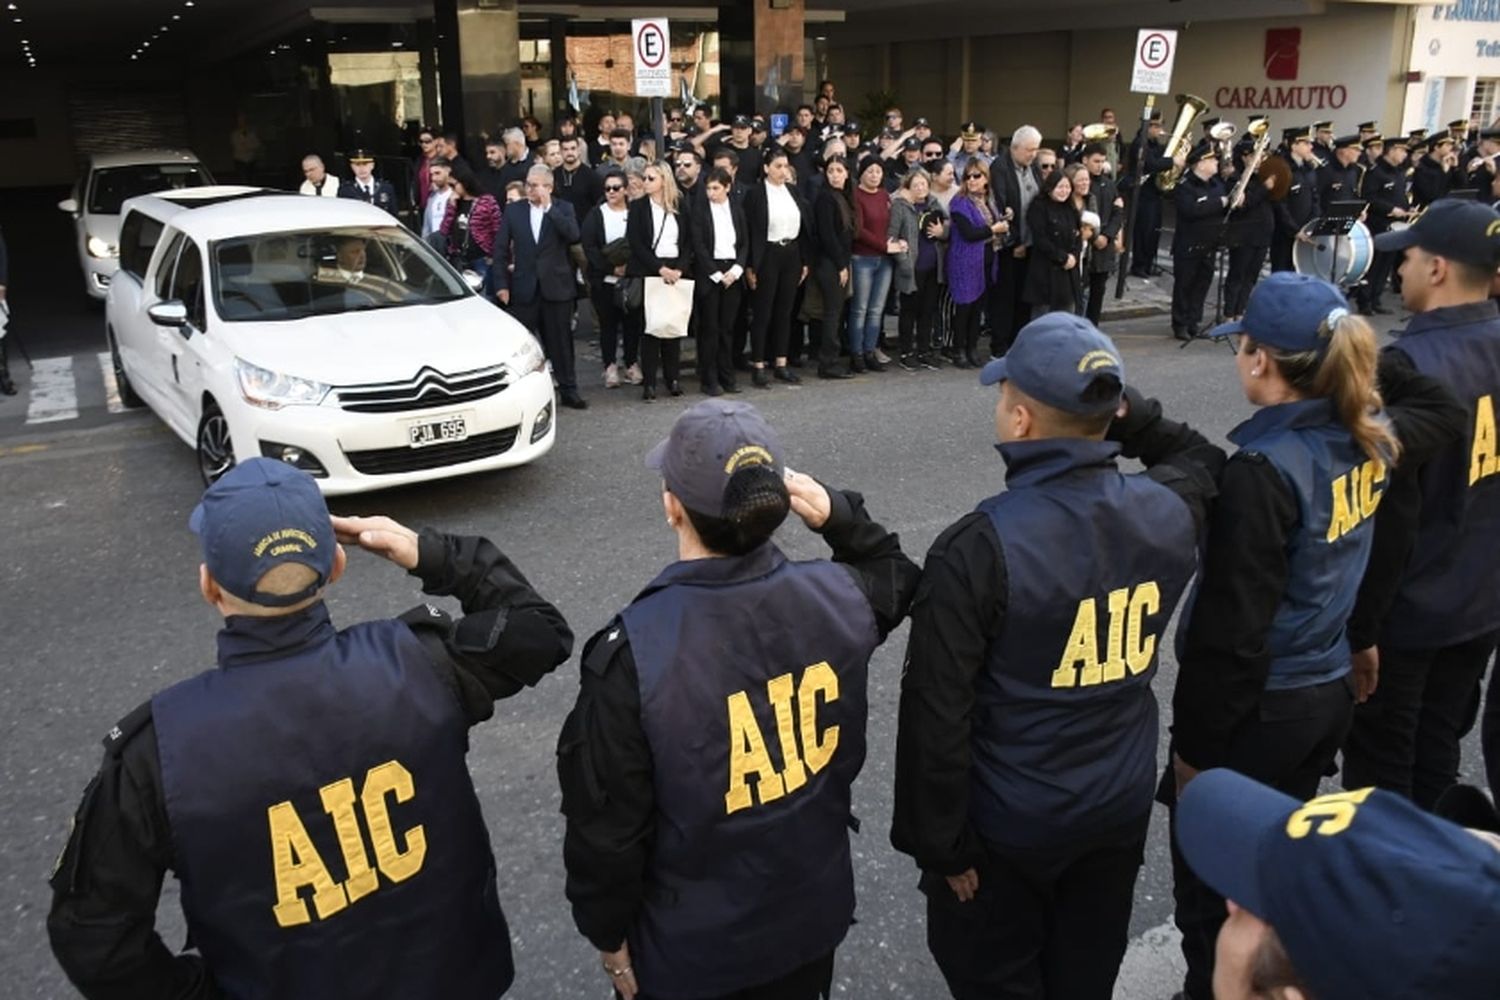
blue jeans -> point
(872, 282)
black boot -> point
(7, 387)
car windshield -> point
(324, 272)
(111, 186)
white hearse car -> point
(320, 332)
(110, 181)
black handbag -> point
(630, 293)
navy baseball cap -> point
(708, 443)
(1370, 895)
(1064, 361)
(259, 515)
(1290, 311)
(1455, 228)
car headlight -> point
(101, 249)
(527, 359)
(273, 390)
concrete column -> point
(761, 55)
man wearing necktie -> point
(365, 186)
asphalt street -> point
(100, 609)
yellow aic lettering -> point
(1128, 647)
(1327, 815)
(1356, 495)
(1483, 459)
(795, 705)
(297, 865)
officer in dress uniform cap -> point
(1022, 760)
(1417, 135)
(1459, 124)
(1492, 134)
(1209, 123)
(1367, 127)
(1398, 140)
(1297, 133)
(1156, 114)
(1323, 126)
(1368, 896)
(1346, 142)
(1202, 151)
(695, 810)
(361, 156)
(1372, 140)
(295, 789)
(970, 130)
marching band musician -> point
(1458, 128)
(1478, 164)
(1201, 199)
(1323, 142)
(1300, 206)
(1256, 222)
(1150, 151)
(1339, 179)
(1385, 188)
(1436, 173)
(1373, 143)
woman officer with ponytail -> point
(707, 764)
(1264, 682)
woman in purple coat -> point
(971, 259)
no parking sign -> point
(1155, 51)
(652, 43)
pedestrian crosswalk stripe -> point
(54, 392)
(111, 387)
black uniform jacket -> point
(109, 876)
(960, 608)
(604, 762)
(1244, 573)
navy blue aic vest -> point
(1450, 591)
(325, 829)
(1065, 725)
(1337, 488)
(752, 680)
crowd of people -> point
(1338, 602)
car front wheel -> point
(215, 449)
(128, 394)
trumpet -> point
(1189, 110)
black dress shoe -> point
(710, 389)
(760, 379)
(733, 388)
(785, 374)
(674, 387)
(648, 393)
(573, 401)
(873, 364)
(1181, 334)
(796, 362)
(825, 371)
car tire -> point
(213, 444)
(128, 396)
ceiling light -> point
(177, 17)
(189, 3)
(10, 6)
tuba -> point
(1099, 132)
(1189, 110)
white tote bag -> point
(668, 308)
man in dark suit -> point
(1015, 179)
(364, 186)
(540, 289)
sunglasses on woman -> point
(975, 177)
(611, 188)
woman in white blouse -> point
(607, 252)
(780, 231)
(721, 248)
(657, 230)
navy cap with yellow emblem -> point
(1064, 361)
(260, 515)
(361, 156)
(1453, 228)
(1290, 311)
(1369, 895)
(708, 444)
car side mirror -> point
(473, 279)
(172, 313)
(69, 205)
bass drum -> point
(1343, 260)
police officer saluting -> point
(1263, 684)
(1435, 536)
(706, 768)
(1026, 753)
(310, 793)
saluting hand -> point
(809, 499)
(381, 535)
(1182, 772)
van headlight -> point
(273, 390)
(99, 248)
(527, 359)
